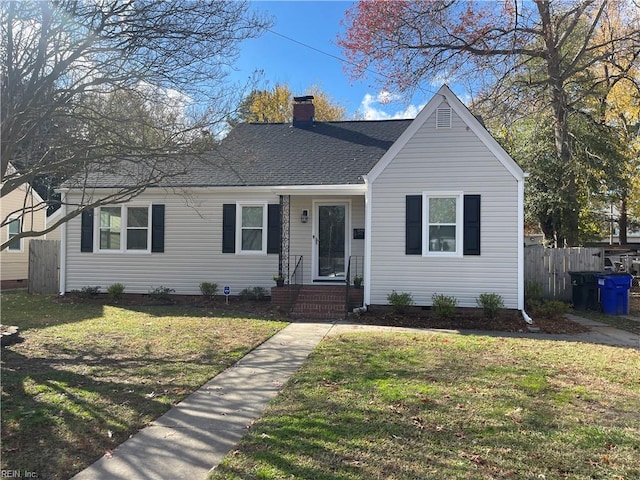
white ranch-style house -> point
(430, 205)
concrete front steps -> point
(322, 302)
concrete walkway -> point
(195, 435)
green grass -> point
(389, 406)
(87, 376)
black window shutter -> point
(229, 228)
(413, 234)
(157, 228)
(273, 228)
(86, 231)
(471, 236)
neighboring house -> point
(14, 260)
(51, 219)
(430, 205)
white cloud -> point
(378, 107)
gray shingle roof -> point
(270, 154)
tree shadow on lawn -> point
(56, 421)
(28, 311)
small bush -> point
(443, 305)
(115, 290)
(533, 293)
(254, 293)
(552, 308)
(86, 292)
(491, 304)
(161, 294)
(400, 301)
(209, 289)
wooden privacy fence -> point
(550, 267)
(44, 265)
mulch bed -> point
(415, 317)
(467, 319)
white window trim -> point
(265, 210)
(21, 241)
(124, 210)
(459, 196)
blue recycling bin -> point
(614, 292)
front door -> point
(331, 241)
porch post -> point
(285, 233)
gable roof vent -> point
(443, 117)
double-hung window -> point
(443, 224)
(123, 228)
(252, 222)
(13, 229)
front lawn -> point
(87, 375)
(390, 406)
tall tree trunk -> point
(567, 231)
(622, 221)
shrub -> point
(400, 301)
(491, 303)
(254, 293)
(209, 289)
(533, 293)
(443, 305)
(161, 294)
(552, 308)
(115, 290)
(86, 292)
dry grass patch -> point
(88, 376)
(450, 407)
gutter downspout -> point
(63, 248)
(367, 243)
(525, 316)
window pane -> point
(442, 239)
(137, 239)
(109, 240)
(110, 217)
(137, 217)
(442, 210)
(252, 240)
(14, 229)
(252, 216)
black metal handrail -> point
(355, 265)
(297, 277)
(347, 284)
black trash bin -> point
(584, 290)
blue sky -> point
(317, 24)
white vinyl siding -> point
(436, 160)
(192, 251)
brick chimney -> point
(303, 111)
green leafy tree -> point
(527, 55)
